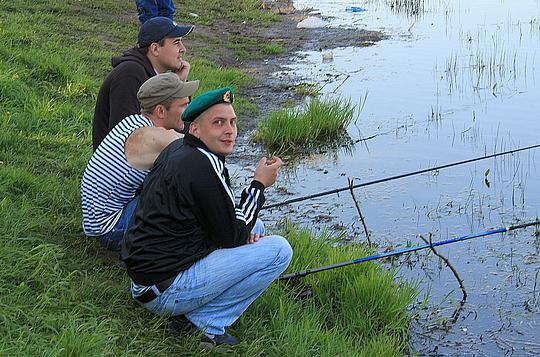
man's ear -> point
(159, 112)
(194, 129)
(153, 49)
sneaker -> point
(220, 343)
(181, 326)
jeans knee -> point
(284, 251)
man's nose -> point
(229, 128)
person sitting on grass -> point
(159, 49)
(116, 171)
(147, 9)
(190, 250)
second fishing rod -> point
(337, 190)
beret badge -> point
(227, 97)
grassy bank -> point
(61, 295)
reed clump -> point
(318, 122)
(412, 8)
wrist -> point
(257, 184)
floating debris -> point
(311, 22)
(327, 56)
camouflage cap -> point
(163, 86)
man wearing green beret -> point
(191, 249)
(116, 171)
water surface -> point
(453, 80)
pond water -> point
(453, 80)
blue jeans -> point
(215, 291)
(148, 9)
(113, 239)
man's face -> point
(171, 53)
(172, 116)
(216, 128)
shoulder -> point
(134, 122)
(128, 69)
(184, 161)
(126, 127)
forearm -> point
(251, 201)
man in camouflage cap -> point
(116, 171)
(190, 249)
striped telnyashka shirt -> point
(109, 181)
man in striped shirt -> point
(113, 177)
(190, 248)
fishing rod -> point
(303, 273)
(337, 190)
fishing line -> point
(337, 190)
(301, 274)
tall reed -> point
(319, 121)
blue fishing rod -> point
(301, 274)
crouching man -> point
(189, 249)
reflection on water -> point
(454, 80)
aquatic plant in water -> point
(318, 122)
(413, 8)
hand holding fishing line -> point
(272, 160)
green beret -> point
(205, 101)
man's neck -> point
(151, 118)
(155, 64)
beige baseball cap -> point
(163, 86)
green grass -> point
(49, 308)
(210, 11)
(319, 121)
(307, 89)
(61, 295)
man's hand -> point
(267, 170)
(183, 70)
(257, 232)
(173, 135)
(253, 238)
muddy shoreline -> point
(285, 34)
(269, 91)
(293, 39)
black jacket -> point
(185, 212)
(117, 96)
